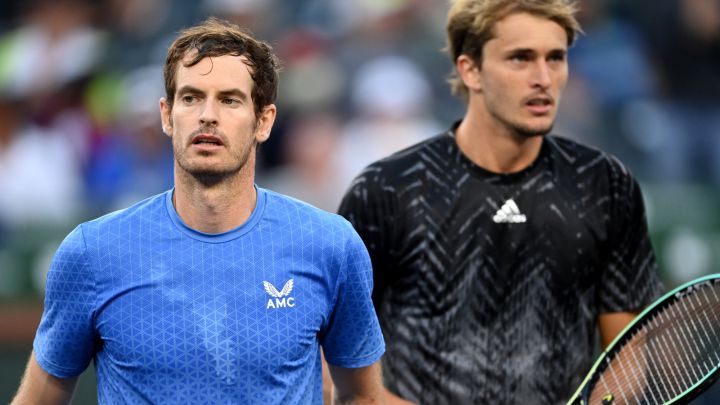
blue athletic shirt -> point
(173, 315)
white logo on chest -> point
(509, 213)
(279, 299)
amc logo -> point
(280, 300)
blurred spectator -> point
(684, 36)
(49, 59)
(133, 158)
(55, 45)
(308, 152)
(10, 120)
(681, 130)
(391, 98)
(611, 70)
(312, 81)
(135, 28)
(39, 172)
(359, 18)
(261, 17)
(612, 57)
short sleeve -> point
(630, 280)
(352, 337)
(370, 206)
(64, 343)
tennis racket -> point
(669, 354)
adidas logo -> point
(509, 213)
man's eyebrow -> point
(234, 92)
(527, 52)
(531, 51)
(189, 89)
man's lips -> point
(539, 105)
(207, 140)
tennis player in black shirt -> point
(502, 254)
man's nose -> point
(541, 75)
(209, 114)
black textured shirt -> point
(488, 286)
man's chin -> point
(533, 131)
(209, 176)
(209, 172)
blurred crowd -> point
(80, 82)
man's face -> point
(524, 70)
(212, 123)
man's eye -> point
(188, 99)
(229, 101)
(519, 58)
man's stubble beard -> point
(524, 131)
(209, 177)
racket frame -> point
(581, 395)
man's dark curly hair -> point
(215, 37)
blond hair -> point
(470, 25)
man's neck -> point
(494, 148)
(217, 208)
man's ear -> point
(265, 122)
(469, 73)
(165, 117)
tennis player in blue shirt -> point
(216, 291)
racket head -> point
(670, 353)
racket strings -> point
(669, 352)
